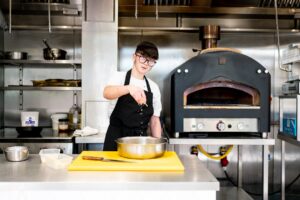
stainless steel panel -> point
(34, 148)
(100, 10)
(220, 125)
(99, 60)
(237, 23)
(96, 115)
(1, 85)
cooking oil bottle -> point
(74, 117)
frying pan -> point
(53, 53)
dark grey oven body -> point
(217, 68)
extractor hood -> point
(224, 3)
(249, 8)
(37, 7)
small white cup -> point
(29, 118)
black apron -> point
(128, 117)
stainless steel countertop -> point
(223, 141)
(32, 175)
(98, 138)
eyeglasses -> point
(144, 60)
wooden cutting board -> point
(168, 162)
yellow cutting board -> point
(168, 162)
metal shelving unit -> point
(28, 63)
(47, 62)
(41, 88)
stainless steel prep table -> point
(239, 142)
(32, 179)
(82, 142)
(284, 139)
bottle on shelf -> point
(74, 117)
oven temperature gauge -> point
(221, 126)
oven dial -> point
(200, 126)
(221, 126)
(240, 126)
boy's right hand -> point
(138, 94)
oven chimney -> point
(209, 35)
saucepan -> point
(141, 147)
(16, 153)
(16, 55)
(53, 53)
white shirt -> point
(118, 78)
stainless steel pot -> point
(53, 53)
(16, 153)
(141, 147)
(16, 55)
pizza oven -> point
(220, 91)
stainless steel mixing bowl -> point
(16, 153)
(141, 147)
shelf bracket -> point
(75, 75)
(10, 6)
(49, 16)
(21, 84)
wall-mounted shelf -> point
(250, 12)
(42, 8)
(124, 29)
(41, 88)
(46, 28)
(50, 62)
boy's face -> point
(143, 64)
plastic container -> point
(29, 118)
(63, 125)
(45, 154)
(55, 118)
(53, 159)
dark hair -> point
(147, 49)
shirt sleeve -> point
(116, 78)
(156, 101)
